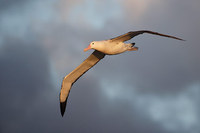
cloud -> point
(156, 87)
(175, 113)
(5, 4)
(19, 19)
(95, 15)
(25, 79)
(135, 10)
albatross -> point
(105, 47)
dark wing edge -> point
(72, 77)
(63, 107)
(131, 34)
(164, 35)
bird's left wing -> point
(72, 77)
(131, 34)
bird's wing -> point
(131, 34)
(72, 77)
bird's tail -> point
(131, 47)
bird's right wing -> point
(72, 77)
(131, 34)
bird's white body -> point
(111, 47)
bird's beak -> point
(88, 48)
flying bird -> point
(106, 47)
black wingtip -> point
(62, 108)
(180, 39)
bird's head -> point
(91, 46)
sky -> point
(153, 90)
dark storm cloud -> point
(5, 4)
(30, 103)
(24, 79)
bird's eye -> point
(92, 43)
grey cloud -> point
(24, 78)
(5, 4)
(160, 67)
